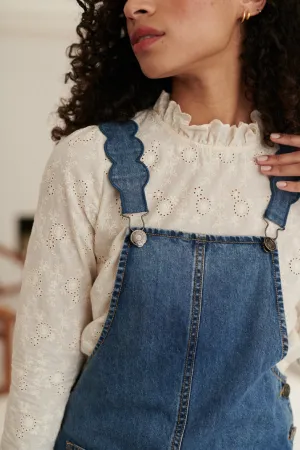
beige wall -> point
(33, 39)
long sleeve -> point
(54, 305)
(294, 344)
(290, 280)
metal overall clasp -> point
(137, 237)
(269, 244)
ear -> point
(253, 7)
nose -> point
(133, 9)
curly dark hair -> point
(108, 84)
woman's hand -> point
(283, 165)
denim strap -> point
(127, 174)
(130, 176)
(281, 201)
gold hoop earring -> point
(246, 16)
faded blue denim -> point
(187, 357)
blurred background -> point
(33, 38)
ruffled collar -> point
(214, 133)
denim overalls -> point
(187, 356)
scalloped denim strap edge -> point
(128, 174)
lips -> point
(142, 34)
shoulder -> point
(74, 173)
(81, 147)
(85, 147)
(77, 162)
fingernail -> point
(262, 158)
(266, 168)
(275, 136)
(281, 184)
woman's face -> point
(186, 35)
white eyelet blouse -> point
(203, 179)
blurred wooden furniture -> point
(7, 318)
(7, 321)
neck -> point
(214, 90)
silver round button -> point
(138, 238)
(269, 244)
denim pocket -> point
(70, 446)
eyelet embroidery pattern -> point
(58, 232)
(57, 378)
(104, 261)
(74, 343)
(50, 187)
(151, 155)
(203, 204)
(165, 205)
(241, 207)
(27, 424)
(86, 139)
(57, 381)
(72, 287)
(43, 331)
(189, 154)
(87, 246)
(34, 280)
(294, 264)
(80, 190)
(23, 382)
(227, 157)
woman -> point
(160, 295)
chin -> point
(155, 71)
